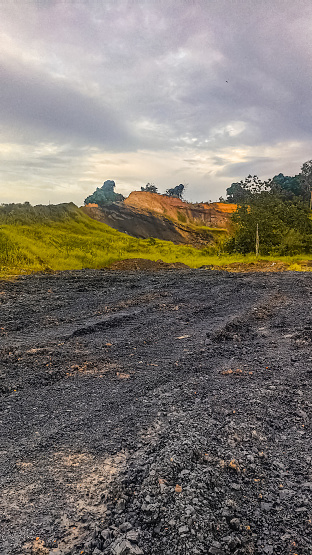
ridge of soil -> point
(146, 264)
(156, 413)
(258, 266)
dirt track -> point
(156, 413)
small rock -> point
(105, 534)
(235, 523)
(125, 527)
(183, 530)
(266, 506)
(234, 543)
(136, 550)
(302, 414)
(124, 547)
(301, 509)
(215, 551)
(133, 536)
(162, 485)
(189, 510)
(121, 505)
(216, 544)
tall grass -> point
(68, 240)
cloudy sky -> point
(182, 91)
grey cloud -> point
(37, 106)
(261, 166)
(131, 51)
(122, 76)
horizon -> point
(164, 92)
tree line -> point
(281, 209)
(176, 192)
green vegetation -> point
(279, 208)
(149, 188)
(62, 237)
(105, 194)
(176, 191)
(285, 227)
(49, 238)
(181, 217)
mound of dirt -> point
(145, 264)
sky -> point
(162, 91)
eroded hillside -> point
(145, 214)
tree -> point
(278, 207)
(284, 226)
(105, 194)
(241, 192)
(306, 180)
(176, 191)
(288, 187)
(149, 188)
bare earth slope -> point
(145, 215)
(156, 413)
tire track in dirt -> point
(152, 388)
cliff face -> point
(145, 215)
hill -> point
(145, 214)
(64, 237)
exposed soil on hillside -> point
(145, 215)
(156, 413)
(215, 214)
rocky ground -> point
(156, 413)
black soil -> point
(156, 413)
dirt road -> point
(156, 413)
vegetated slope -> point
(63, 237)
(145, 214)
(163, 414)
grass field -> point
(51, 239)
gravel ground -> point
(156, 413)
